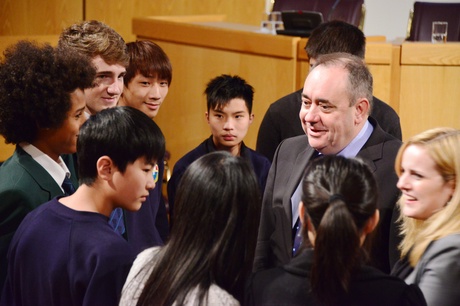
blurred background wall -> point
(44, 17)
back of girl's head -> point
(35, 88)
(340, 196)
(214, 234)
(122, 133)
(218, 197)
(148, 59)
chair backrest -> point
(287, 5)
(346, 10)
(425, 13)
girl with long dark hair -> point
(211, 248)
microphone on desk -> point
(332, 10)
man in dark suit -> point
(280, 121)
(336, 101)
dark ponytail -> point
(337, 251)
(340, 195)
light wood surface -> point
(430, 91)
(428, 54)
(265, 61)
(6, 150)
(38, 17)
(41, 17)
(215, 32)
(119, 14)
(7, 41)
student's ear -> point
(372, 222)
(105, 167)
(362, 107)
(311, 232)
(301, 212)
(307, 222)
(206, 114)
(251, 118)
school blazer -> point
(24, 185)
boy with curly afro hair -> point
(42, 104)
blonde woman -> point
(428, 166)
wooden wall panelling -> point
(119, 13)
(395, 77)
(39, 17)
(383, 61)
(430, 91)
(6, 41)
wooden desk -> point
(6, 150)
(203, 47)
(430, 92)
(382, 59)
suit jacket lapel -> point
(71, 161)
(301, 161)
(300, 164)
(37, 172)
(373, 148)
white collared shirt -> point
(353, 148)
(57, 170)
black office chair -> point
(288, 5)
(423, 15)
(351, 11)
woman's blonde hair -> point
(443, 146)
